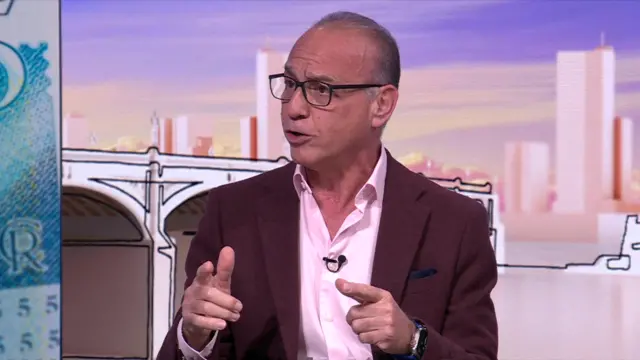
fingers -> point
(226, 262)
(208, 304)
(361, 293)
(208, 309)
(376, 330)
(218, 297)
(204, 274)
(203, 322)
(377, 310)
(371, 337)
(211, 295)
(369, 324)
(356, 312)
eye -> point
(289, 83)
(319, 88)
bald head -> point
(387, 55)
(347, 69)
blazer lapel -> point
(402, 224)
(278, 215)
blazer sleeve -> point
(205, 246)
(470, 330)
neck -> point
(341, 180)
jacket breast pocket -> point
(426, 298)
(419, 285)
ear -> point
(383, 106)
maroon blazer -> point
(423, 226)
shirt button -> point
(326, 316)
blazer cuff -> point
(190, 353)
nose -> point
(297, 108)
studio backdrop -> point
(529, 107)
(29, 179)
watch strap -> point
(418, 345)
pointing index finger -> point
(226, 263)
(361, 293)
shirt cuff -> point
(190, 353)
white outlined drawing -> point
(149, 186)
(619, 263)
(145, 189)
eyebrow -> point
(310, 75)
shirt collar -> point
(373, 189)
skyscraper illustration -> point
(249, 137)
(203, 146)
(181, 136)
(155, 130)
(270, 132)
(623, 159)
(173, 136)
(584, 129)
(75, 132)
(526, 177)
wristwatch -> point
(418, 344)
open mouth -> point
(296, 137)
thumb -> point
(204, 274)
(226, 262)
(343, 286)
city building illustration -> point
(149, 196)
(529, 108)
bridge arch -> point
(114, 195)
(106, 266)
(173, 200)
(97, 216)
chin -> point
(304, 157)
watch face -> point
(421, 345)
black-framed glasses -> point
(316, 92)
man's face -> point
(344, 127)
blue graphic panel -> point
(29, 183)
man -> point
(344, 253)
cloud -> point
(128, 29)
(302, 15)
(628, 68)
(433, 99)
(476, 95)
(230, 96)
(234, 17)
(123, 97)
(118, 108)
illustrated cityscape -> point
(529, 108)
(585, 195)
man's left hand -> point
(377, 319)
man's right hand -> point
(207, 304)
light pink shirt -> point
(325, 333)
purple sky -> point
(201, 44)
(97, 32)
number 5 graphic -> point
(52, 304)
(54, 339)
(26, 342)
(24, 307)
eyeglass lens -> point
(316, 93)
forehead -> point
(332, 54)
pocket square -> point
(419, 274)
